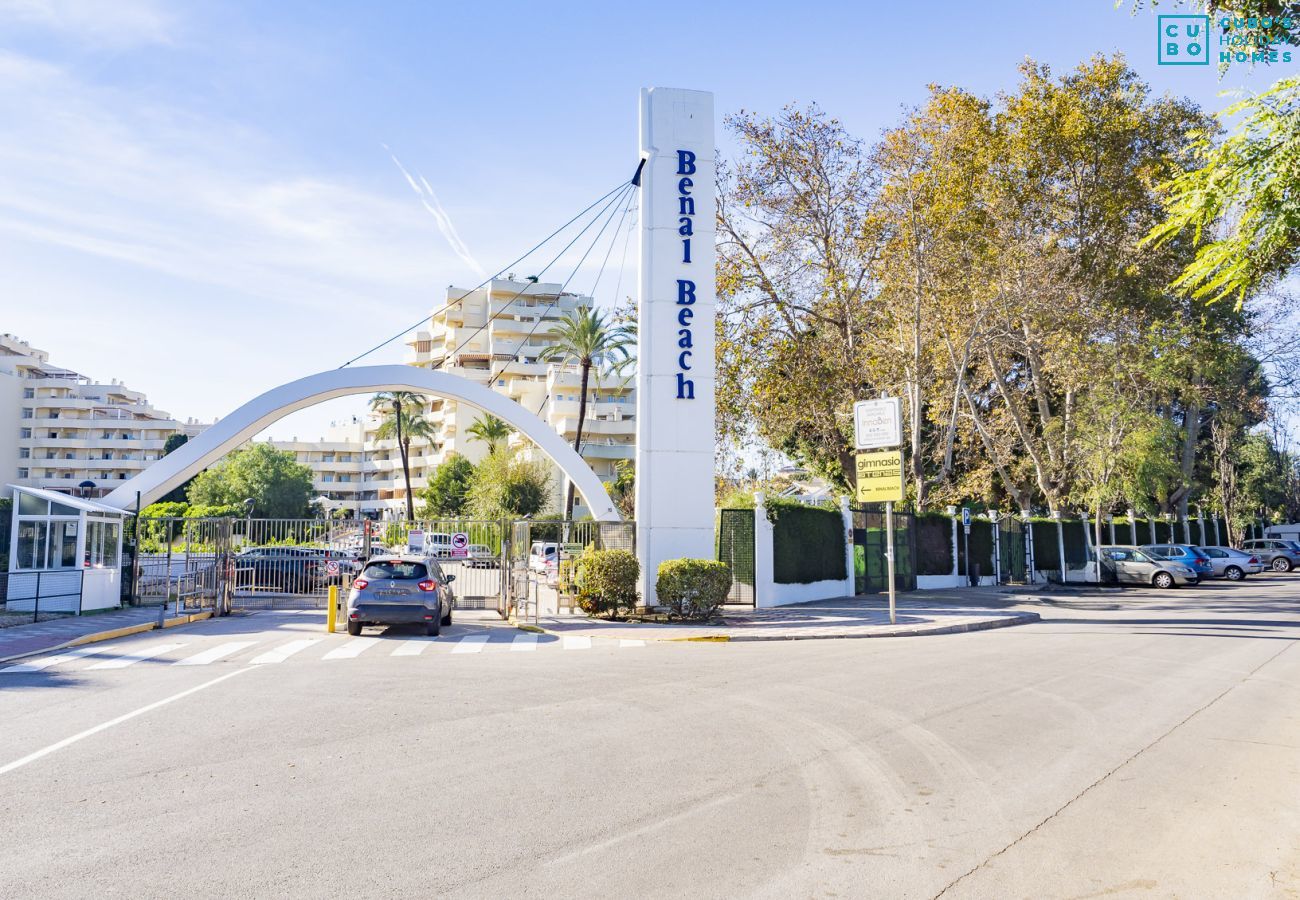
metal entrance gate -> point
(540, 564)
(1011, 550)
(736, 548)
(189, 562)
(479, 565)
(870, 567)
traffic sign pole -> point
(889, 553)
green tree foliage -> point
(490, 430)
(985, 262)
(1238, 205)
(447, 493)
(589, 339)
(507, 487)
(279, 486)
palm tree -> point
(490, 430)
(403, 419)
(585, 338)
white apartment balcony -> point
(608, 451)
(567, 425)
(603, 409)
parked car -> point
(1187, 554)
(1233, 565)
(288, 570)
(542, 554)
(1133, 566)
(1275, 553)
(401, 590)
(480, 556)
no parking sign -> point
(459, 545)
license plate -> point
(390, 593)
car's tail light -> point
(1201, 562)
(427, 585)
(1255, 560)
(360, 583)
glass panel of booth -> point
(46, 543)
(102, 544)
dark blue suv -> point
(1187, 554)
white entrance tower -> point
(676, 370)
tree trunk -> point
(406, 473)
(401, 450)
(1192, 426)
(577, 438)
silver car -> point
(401, 590)
(1276, 553)
(1231, 564)
(1132, 566)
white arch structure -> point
(255, 415)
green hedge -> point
(933, 544)
(808, 544)
(1123, 532)
(735, 546)
(1047, 555)
(1076, 546)
(693, 588)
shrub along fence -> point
(807, 544)
(806, 553)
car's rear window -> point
(396, 570)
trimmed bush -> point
(165, 510)
(933, 544)
(1123, 532)
(808, 544)
(607, 582)
(693, 588)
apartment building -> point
(63, 431)
(493, 334)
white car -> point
(541, 555)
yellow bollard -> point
(333, 611)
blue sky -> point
(197, 197)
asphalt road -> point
(1149, 750)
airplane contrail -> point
(429, 198)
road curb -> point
(1005, 621)
(111, 634)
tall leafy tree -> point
(402, 419)
(447, 493)
(589, 339)
(279, 486)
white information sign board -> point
(877, 424)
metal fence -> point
(735, 547)
(189, 562)
(42, 593)
(291, 563)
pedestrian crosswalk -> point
(270, 650)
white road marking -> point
(131, 659)
(354, 647)
(283, 652)
(524, 642)
(32, 757)
(216, 653)
(630, 642)
(577, 643)
(412, 647)
(37, 665)
(474, 643)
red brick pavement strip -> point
(17, 642)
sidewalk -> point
(24, 640)
(918, 613)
